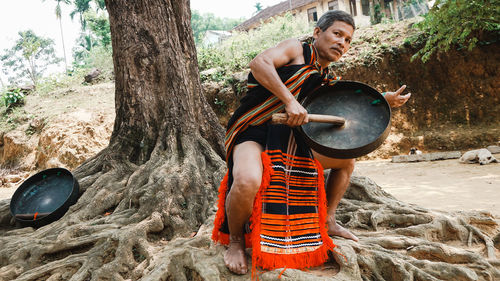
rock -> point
(14, 146)
(241, 77)
(92, 75)
(426, 157)
(68, 143)
(226, 95)
(210, 72)
(36, 125)
(12, 178)
(211, 89)
(494, 149)
(26, 89)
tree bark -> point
(158, 92)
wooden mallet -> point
(281, 118)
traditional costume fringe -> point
(288, 221)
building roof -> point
(272, 11)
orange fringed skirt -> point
(288, 222)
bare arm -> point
(263, 68)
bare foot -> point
(235, 258)
(335, 229)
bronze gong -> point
(367, 120)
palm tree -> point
(258, 7)
(82, 6)
(58, 16)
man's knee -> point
(344, 165)
(349, 165)
(335, 163)
(246, 185)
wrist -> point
(288, 98)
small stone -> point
(13, 178)
(494, 149)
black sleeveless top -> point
(259, 103)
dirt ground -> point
(443, 185)
(446, 185)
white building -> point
(360, 10)
(213, 37)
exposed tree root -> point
(124, 213)
(147, 236)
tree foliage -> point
(377, 14)
(258, 7)
(81, 7)
(462, 23)
(99, 25)
(200, 23)
(58, 12)
(236, 52)
(94, 25)
(93, 47)
(29, 57)
(12, 97)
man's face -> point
(334, 41)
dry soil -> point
(446, 185)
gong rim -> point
(70, 184)
(347, 153)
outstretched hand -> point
(395, 99)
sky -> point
(230, 8)
(20, 15)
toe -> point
(233, 268)
(243, 269)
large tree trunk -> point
(158, 177)
(147, 201)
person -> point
(271, 76)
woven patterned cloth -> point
(288, 220)
(287, 227)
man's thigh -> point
(333, 163)
(247, 162)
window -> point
(352, 5)
(333, 5)
(312, 15)
(365, 7)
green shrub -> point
(461, 23)
(12, 98)
(102, 58)
(236, 52)
(98, 57)
(377, 14)
(61, 80)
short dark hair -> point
(328, 18)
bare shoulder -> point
(291, 43)
(285, 52)
(292, 47)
